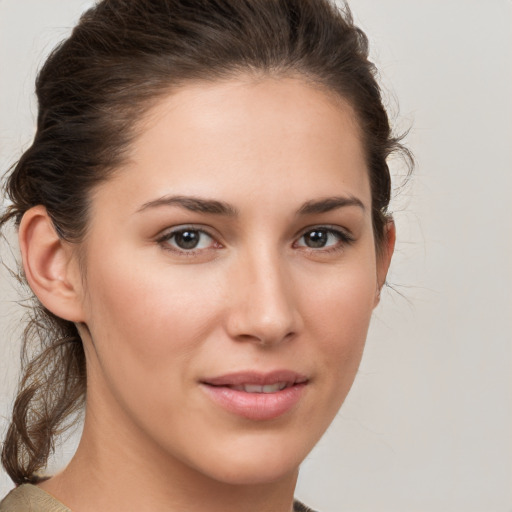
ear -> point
(50, 265)
(384, 255)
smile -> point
(257, 396)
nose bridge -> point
(264, 307)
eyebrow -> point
(212, 206)
(328, 204)
(194, 204)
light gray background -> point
(428, 424)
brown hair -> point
(122, 57)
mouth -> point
(257, 382)
(257, 396)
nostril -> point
(266, 339)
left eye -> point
(321, 238)
(187, 239)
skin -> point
(157, 319)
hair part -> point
(120, 59)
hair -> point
(120, 59)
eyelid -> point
(336, 228)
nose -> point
(264, 306)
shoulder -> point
(297, 507)
(29, 498)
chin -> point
(256, 460)
(255, 473)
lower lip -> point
(256, 406)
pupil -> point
(316, 238)
(187, 239)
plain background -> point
(428, 423)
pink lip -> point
(256, 406)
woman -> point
(203, 219)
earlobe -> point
(50, 267)
(384, 255)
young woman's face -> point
(231, 274)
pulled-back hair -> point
(120, 59)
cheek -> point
(147, 329)
(338, 317)
(140, 295)
(341, 304)
(142, 321)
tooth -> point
(271, 388)
(253, 388)
(256, 388)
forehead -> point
(266, 138)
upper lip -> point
(257, 378)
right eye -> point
(187, 240)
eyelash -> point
(343, 237)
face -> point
(231, 274)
